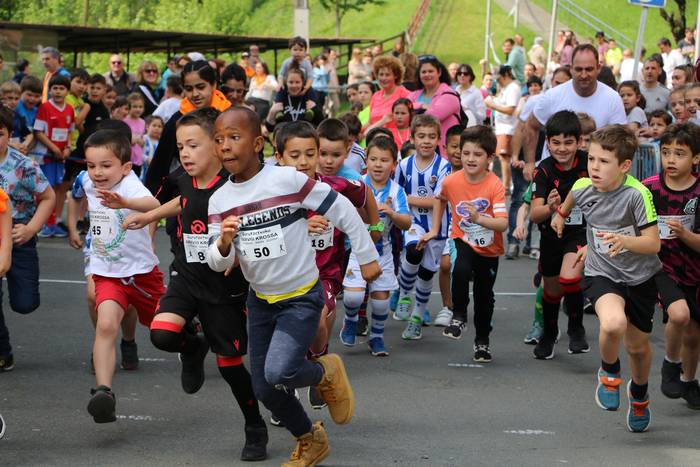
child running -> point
(255, 218)
(676, 193)
(620, 265)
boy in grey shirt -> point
(620, 265)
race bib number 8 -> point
(603, 247)
(665, 232)
(195, 247)
(261, 244)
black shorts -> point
(224, 324)
(640, 300)
(553, 249)
(73, 168)
(671, 291)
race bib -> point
(261, 244)
(195, 247)
(102, 226)
(603, 247)
(575, 217)
(665, 232)
(478, 235)
(320, 242)
(59, 134)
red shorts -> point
(143, 291)
(331, 289)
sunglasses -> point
(150, 70)
(116, 63)
(465, 73)
(422, 58)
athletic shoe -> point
(535, 254)
(426, 318)
(7, 363)
(527, 249)
(192, 376)
(638, 413)
(394, 300)
(588, 308)
(376, 346)
(311, 448)
(413, 330)
(535, 334)
(255, 448)
(443, 317)
(45, 232)
(130, 355)
(348, 333)
(403, 309)
(335, 389)
(2, 426)
(482, 353)
(692, 394)
(513, 251)
(607, 393)
(544, 350)
(102, 405)
(59, 232)
(577, 342)
(315, 399)
(455, 329)
(671, 385)
(362, 326)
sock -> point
(538, 306)
(380, 310)
(550, 313)
(423, 290)
(352, 300)
(574, 305)
(363, 307)
(639, 391)
(671, 361)
(407, 278)
(236, 375)
(52, 220)
(611, 367)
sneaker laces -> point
(611, 384)
(481, 348)
(639, 408)
(303, 445)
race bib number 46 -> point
(261, 244)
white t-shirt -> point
(473, 105)
(529, 106)
(167, 108)
(638, 116)
(115, 252)
(671, 60)
(627, 70)
(509, 97)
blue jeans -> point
(23, 287)
(279, 335)
(516, 200)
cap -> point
(245, 55)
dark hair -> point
(297, 40)
(634, 84)
(407, 149)
(203, 70)
(372, 86)
(294, 69)
(454, 130)
(6, 119)
(151, 118)
(509, 41)
(32, 84)
(534, 80)
(563, 69)
(424, 120)
(113, 140)
(97, 79)
(266, 69)
(299, 129)
(120, 101)
(582, 48)
(664, 41)
(22, 65)
(174, 83)
(481, 135)
(384, 144)
(431, 60)
(685, 134)
(564, 122)
(505, 70)
(354, 86)
(203, 118)
(233, 71)
(116, 125)
(403, 101)
(467, 69)
(352, 122)
(607, 77)
(80, 73)
(619, 139)
(251, 117)
(378, 131)
(660, 113)
(59, 80)
(333, 129)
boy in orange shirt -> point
(479, 218)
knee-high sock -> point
(363, 307)
(407, 278)
(573, 299)
(423, 290)
(237, 376)
(550, 313)
(352, 300)
(538, 305)
(380, 310)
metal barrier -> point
(586, 24)
(647, 161)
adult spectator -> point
(452, 70)
(653, 91)
(671, 57)
(147, 85)
(117, 77)
(567, 52)
(244, 62)
(561, 39)
(687, 44)
(681, 76)
(434, 95)
(261, 89)
(470, 97)
(602, 46)
(389, 73)
(333, 98)
(182, 61)
(410, 67)
(357, 72)
(515, 59)
(538, 54)
(627, 66)
(171, 100)
(607, 77)
(51, 59)
(529, 72)
(23, 68)
(581, 94)
(486, 90)
(254, 51)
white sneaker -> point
(443, 317)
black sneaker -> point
(315, 399)
(691, 394)
(102, 405)
(362, 326)
(482, 353)
(527, 249)
(2, 426)
(192, 376)
(671, 385)
(274, 421)
(577, 342)
(544, 350)
(588, 308)
(455, 329)
(130, 355)
(7, 363)
(255, 448)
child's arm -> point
(6, 238)
(519, 231)
(686, 236)
(81, 116)
(370, 214)
(401, 220)
(541, 211)
(562, 212)
(140, 220)
(221, 255)
(43, 139)
(438, 206)
(419, 202)
(75, 206)
(114, 200)
(497, 224)
(648, 243)
(45, 204)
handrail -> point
(595, 23)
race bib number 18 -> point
(323, 240)
(261, 244)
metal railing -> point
(586, 24)
(647, 161)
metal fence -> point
(647, 161)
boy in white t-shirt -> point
(123, 264)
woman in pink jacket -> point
(434, 95)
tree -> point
(676, 21)
(341, 7)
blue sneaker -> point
(607, 394)
(45, 232)
(413, 330)
(426, 318)
(394, 300)
(348, 333)
(376, 345)
(638, 413)
(59, 232)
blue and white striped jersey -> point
(398, 203)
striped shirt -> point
(398, 203)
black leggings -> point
(482, 270)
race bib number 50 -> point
(261, 244)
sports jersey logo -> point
(422, 192)
(589, 204)
(198, 227)
(433, 180)
(265, 217)
(481, 205)
(691, 206)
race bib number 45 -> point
(102, 226)
(261, 244)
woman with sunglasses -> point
(147, 84)
(470, 97)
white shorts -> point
(432, 252)
(446, 250)
(384, 283)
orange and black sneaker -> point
(638, 413)
(607, 393)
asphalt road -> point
(426, 404)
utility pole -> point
(84, 22)
(301, 19)
(516, 14)
(488, 31)
(552, 29)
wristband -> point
(563, 215)
(378, 227)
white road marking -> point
(465, 365)
(142, 418)
(529, 432)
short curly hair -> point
(392, 63)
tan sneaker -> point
(311, 448)
(335, 389)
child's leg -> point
(461, 276)
(690, 350)
(238, 378)
(678, 320)
(109, 316)
(90, 297)
(23, 278)
(61, 189)
(610, 309)
(409, 270)
(129, 324)
(445, 277)
(570, 285)
(485, 270)
(430, 264)
(639, 351)
(551, 300)
(380, 311)
(320, 344)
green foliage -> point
(676, 22)
(341, 7)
